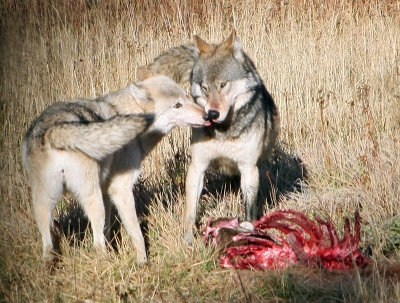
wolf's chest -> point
(242, 149)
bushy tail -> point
(176, 63)
(98, 139)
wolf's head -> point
(222, 77)
(168, 101)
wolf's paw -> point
(51, 261)
(188, 237)
(141, 259)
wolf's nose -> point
(212, 114)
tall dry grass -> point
(333, 68)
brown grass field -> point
(333, 68)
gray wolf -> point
(243, 116)
(94, 149)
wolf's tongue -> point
(207, 123)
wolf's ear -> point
(143, 73)
(228, 43)
(232, 43)
(138, 93)
(202, 45)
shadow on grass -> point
(281, 175)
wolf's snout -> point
(212, 115)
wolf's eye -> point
(178, 105)
(222, 85)
(204, 87)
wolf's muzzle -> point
(212, 115)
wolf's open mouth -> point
(207, 123)
(211, 122)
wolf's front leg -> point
(194, 186)
(120, 191)
(249, 182)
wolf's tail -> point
(176, 63)
(98, 139)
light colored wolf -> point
(244, 119)
(94, 149)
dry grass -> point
(333, 68)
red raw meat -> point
(301, 241)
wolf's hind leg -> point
(44, 199)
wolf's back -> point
(97, 139)
(176, 63)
